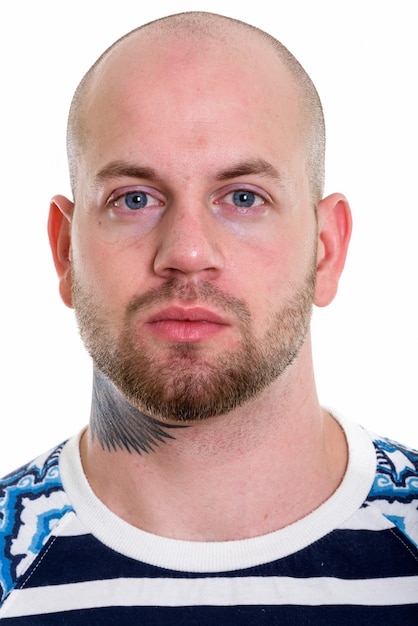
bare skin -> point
(278, 456)
(228, 478)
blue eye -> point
(243, 198)
(136, 200)
(127, 200)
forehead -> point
(175, 67)
(198, 93)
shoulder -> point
(32, 502)
(395, 487)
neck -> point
(252, 471)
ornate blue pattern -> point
(396, 472)
(395, 488)
(25, 529)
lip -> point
(182, 324)
(182, 314)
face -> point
(193, 239)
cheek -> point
(261, 279)
(278, 261)
(109, 271)
(275, 273)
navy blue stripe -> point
(341, 554)
(230, 616)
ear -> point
(59, 232)
(334, 231)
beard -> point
(183, 384)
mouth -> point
(182, 324)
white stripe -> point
(173, 592)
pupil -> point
(136, 200)
(244, 198)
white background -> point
(362, 55)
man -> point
(210, 486)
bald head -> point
(208, 34)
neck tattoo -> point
(117, 424)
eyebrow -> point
(117, 169)
(253, 166)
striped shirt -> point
(67, 559)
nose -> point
(188, 244)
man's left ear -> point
(334, 231)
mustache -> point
(186, 292)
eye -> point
(243, 198)
(242, 201)
(133, 200)
(136, 200)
